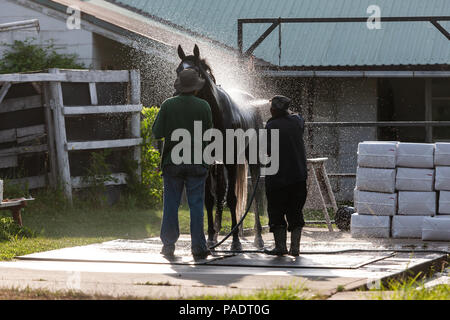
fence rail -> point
(48, 85)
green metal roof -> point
(314, 44)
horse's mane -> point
(208, 69)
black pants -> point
(286, 204)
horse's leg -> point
(259, 205)
(209, 205)
(221, 189)
(232, 202)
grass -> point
(42, 294)
(412, 288)
(282, 293)
(292, 292)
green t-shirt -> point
(180, 112)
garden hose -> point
(240, 222)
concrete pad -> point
(124, 251)
(162, 279)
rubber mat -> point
(322, 261)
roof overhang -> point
(354, 74)
(131, 30)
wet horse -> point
(227, 179)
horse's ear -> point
(196, 51)
(181, 53)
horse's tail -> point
(241, 191)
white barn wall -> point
(75, 41)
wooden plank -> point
(18, 104)
(102, 144)
(135, 98)
(30, 137)
(31, 77)
(96, 76)
(8, 135)
(62, 157)
(8, 162)
(23, 150)
(37, 86)
(121, 178)
(32, 182)
(4, 90)
(49, 123)
(20, 133)
(102, 109)
(93, 93)
(31, 130)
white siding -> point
(79, 42)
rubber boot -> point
(296, 235)
(280, 249)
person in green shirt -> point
(189, 113)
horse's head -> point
(194, 62)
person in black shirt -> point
(286, 190)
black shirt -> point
(292, 154)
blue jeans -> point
(176, 177)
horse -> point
(229, 178)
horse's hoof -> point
(258, 242)
(236, 246)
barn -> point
(350, 75)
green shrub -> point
(27, 56)
(9, 230)
(148, 191)
(97, 174)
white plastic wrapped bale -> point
(444, 203)
(377, 154)
(375, 203)
(375, 180)
(415, 155)
(411, 179)
(442, 178)
(407, 226)
(368, 226)
(442, 154)
(413, 203)
(436, 228)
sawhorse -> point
(317, 175)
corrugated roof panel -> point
(315, 44)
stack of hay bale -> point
(396, 193)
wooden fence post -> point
(50, 135)
(57, 105)
(135, 97)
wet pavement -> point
(329, 262)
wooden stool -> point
(318, 181)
